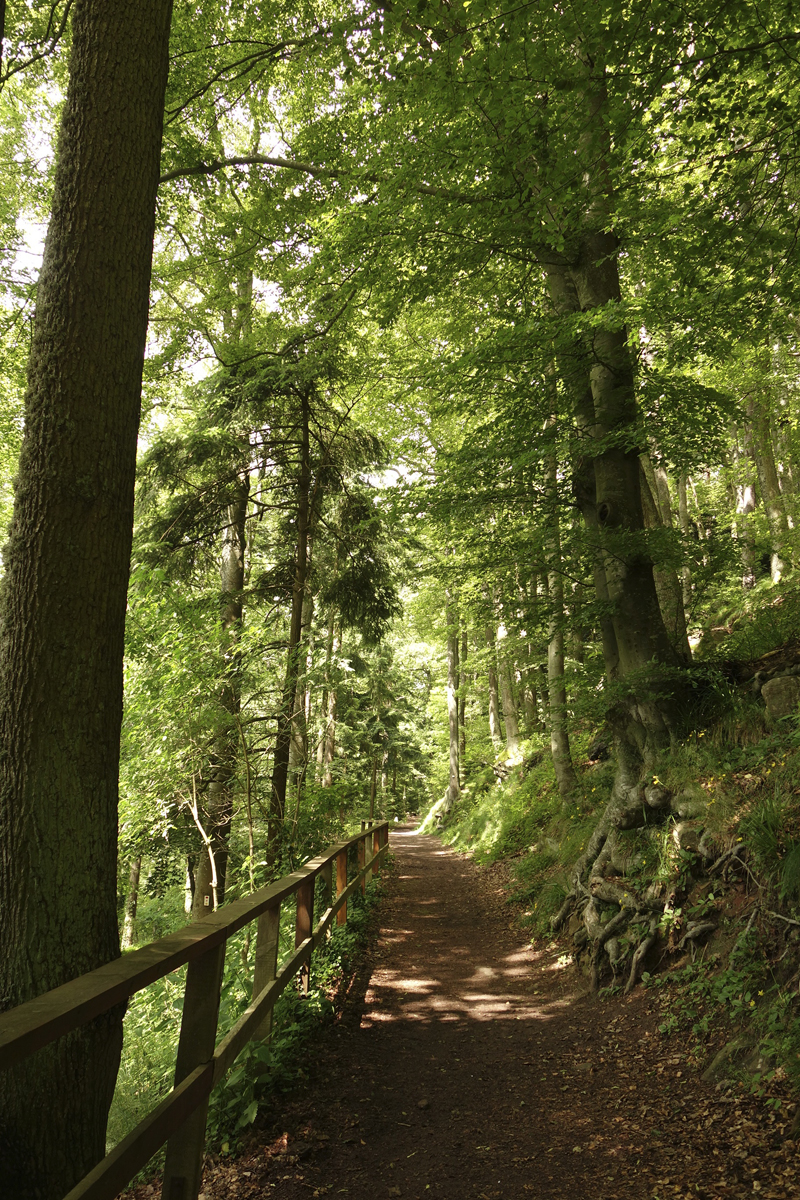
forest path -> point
(469, 1064)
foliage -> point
(353, 309)
(263, 1070)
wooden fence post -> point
(266, 968)
(368, 851)
(183, 1168)
(362, 855)
(341, 884)
(303, 926)
(376, 845)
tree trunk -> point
(280, 768)
(686, 570)
(329, 738)
(215, 810)
(534, 711)
(373, 791)
(494, 695)
(298, 746)
(513, 741)
(530, 699)
(759, 428)
(323, 707)
(64, 593)
(131, 901)
(574, 367)
(638, 625)
(453, 788)
(668, 586)
(462, 699)
(745, 501)
(566, 778)
(188, 885)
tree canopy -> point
(469, 408)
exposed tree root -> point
(640, 953)
(621, 913)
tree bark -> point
(560, 750)
(453, 787)
(530, 699)
(686, 570)
(64, 594)
(494, 696)
(326, 685)
(668, 586)
(574, 367)
(638, 625)
(131, 902)
(298, 746)
(758, 415)
(216, 809)
(373, 790)
(510, 720)
(745, 503)
(329, 736)
(534, 710)
(462, 699)
(280, 768)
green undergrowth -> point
(738, 780)
(745, 625)
(742, 1009)
(264, 1069)
(515, 812)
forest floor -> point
(467, 1063)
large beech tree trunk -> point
(653, 704)
(64, 594)
(216, 805)
(638, 625)
(574, 363)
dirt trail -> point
(473, 1066)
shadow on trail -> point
(466, 1064)
(447, 936)
(432, 1080)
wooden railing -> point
(180, 1119)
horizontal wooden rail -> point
(180, 1117)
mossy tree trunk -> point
(64, 594)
